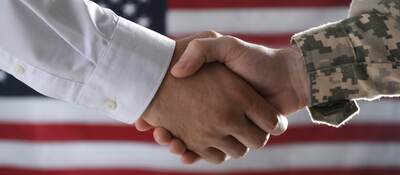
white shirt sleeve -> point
(76, 51)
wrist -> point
(297, 72)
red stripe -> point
(199, 4)
(272, 40)
(70, 132)
(295, 134)
(336, 171)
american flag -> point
(40, 136)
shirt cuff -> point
(332, 69)
(128, 75)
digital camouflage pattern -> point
(356, 58)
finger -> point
(281, 126)
(205, 34)
(177, 147)
(142, 125)
(265, 116)
(249, 134)
(200, 51)
(162, 136)
(190, 157)
(213, 155)
(231, 147)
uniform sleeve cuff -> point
(329, 59)
(333, 114)
(129, 74)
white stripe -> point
(44, 110)
(128, 155)
(38, 110)
(253, 21)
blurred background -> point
(40, 136)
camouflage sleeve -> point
(356, 58)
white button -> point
(110, 105)
(18, 69)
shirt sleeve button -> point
(110, 105)
(19, 69)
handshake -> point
(233, 104)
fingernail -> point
(247, 151)
(280, 127)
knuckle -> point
(211, 34)
(195, 43)
(231, 39)
(236, 45)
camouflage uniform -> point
(356, 58)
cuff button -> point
(110, 105)
(19, 69)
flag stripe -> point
(335, 171)
(184, 4)
(72, 132)
(78, 155)
(44, 110)
(373, 132)
(52, 137)
(251, 21)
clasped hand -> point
(229, 105)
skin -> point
(277, 74)
(213, 113)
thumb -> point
(199, 52)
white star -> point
(3, 77)
(144, 21)
(129, 9)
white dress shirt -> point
(77, 51)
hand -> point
(278, 74)
(214, 112)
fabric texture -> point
(79, 52)
(356, 58)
